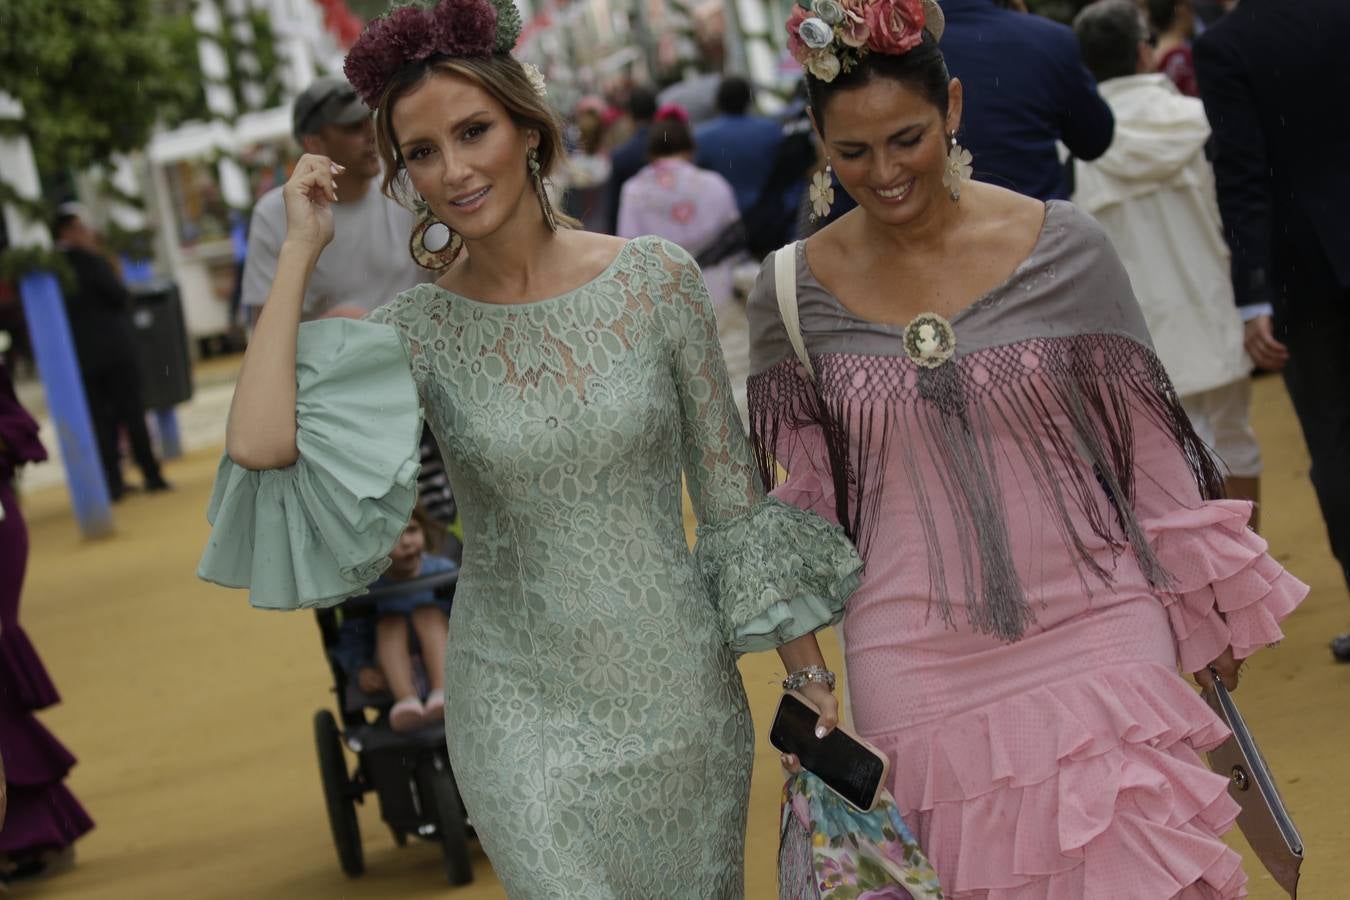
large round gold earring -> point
(440, 253)
(532, 162)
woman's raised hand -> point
(310, 193)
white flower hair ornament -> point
(536, 78)
(830, 36)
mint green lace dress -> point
(595, 717)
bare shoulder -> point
(1003, 220)
(834, 243)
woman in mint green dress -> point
(595, 717)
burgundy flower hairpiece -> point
(415, 33)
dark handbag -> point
(1264, 819)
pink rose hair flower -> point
(896, 26)
(854, 31)
(796, 46)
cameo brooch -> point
(929, 340)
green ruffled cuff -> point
(319, 531)
(776, 573)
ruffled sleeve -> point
(320, 530)
(774, 572)
(777, 573)
(1225, 589)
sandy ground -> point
(191, 713)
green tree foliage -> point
(95, 75)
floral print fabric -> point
(831, 851)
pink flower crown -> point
(830, 36)
(419, 31)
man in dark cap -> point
(368, 262)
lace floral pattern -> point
(595, 716)
(779, 573)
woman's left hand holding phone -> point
(823, 699)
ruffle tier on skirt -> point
(42, 813)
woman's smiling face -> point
(888, 144)
(463, 153)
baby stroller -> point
(408, 772)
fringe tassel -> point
(1067, 406)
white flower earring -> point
(822, 193)
(958, 168)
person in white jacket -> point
(1153, 192)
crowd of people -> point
(1013, 280)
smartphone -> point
(849, 766)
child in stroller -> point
(408, 770)
(381, 658)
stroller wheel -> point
(438, 785)
(338, 793)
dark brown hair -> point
(922, 69)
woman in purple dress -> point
(43, 818)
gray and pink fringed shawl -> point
(1053, 381)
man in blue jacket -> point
(737, 145)
(1025, 89)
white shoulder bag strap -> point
(785, 285)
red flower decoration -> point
(411, 34)
(896, 26)
(464, 28)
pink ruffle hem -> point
(1071, 790)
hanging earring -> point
(438, 254)
(532, 160)
(958, 167)
(822, 193)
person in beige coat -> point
(1153, 191)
